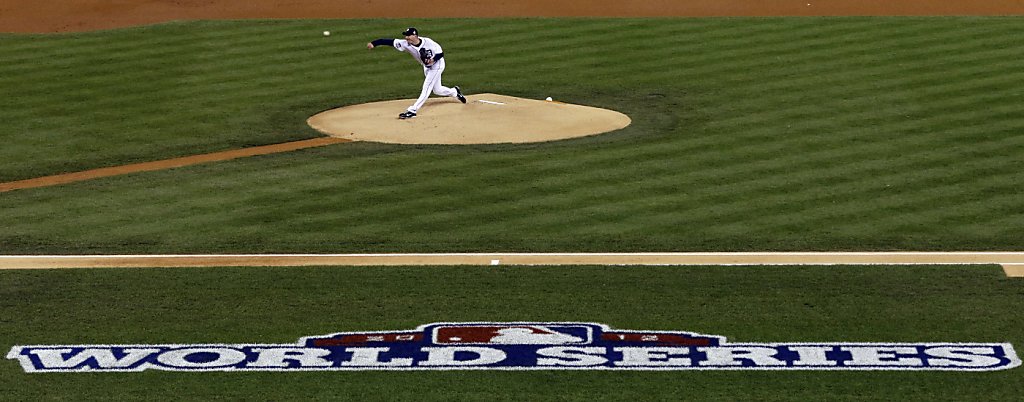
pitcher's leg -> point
(428, 85)
(441, 90)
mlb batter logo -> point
(512, 335)
(517, 346)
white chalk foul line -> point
(1012, 261)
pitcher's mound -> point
(486, 119)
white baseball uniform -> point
(432, 82)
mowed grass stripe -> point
(612, 178)
(865, 201)
(143, 111)
(877, 155)
(861, 97)
(584, 38)
(743, 48)
(662, 53)
(883, 76)
(770, 49)
(419, 190)
(818, 173)
(814, 64)
(136, 61)
(888, 192)
(800, 74)
(888, 76)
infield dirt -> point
(485, 119)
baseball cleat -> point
(458, 94)
(406, 115)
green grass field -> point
(748, 134)
(745, 304)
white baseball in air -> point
(548, 99)
(327, 33)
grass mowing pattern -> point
(748, 134)
(745, 304)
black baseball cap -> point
(411, 31)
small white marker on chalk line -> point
(495, 262)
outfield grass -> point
(745, 304)
(748, 134)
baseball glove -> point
(426, 55)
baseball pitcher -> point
(429, 54)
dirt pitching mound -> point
(485, 119)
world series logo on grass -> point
(517, 346)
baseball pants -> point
(432, 82)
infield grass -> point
(280, 305)
(748, 134)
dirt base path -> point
(1012, 262)
(87, 15)
(166, 164)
